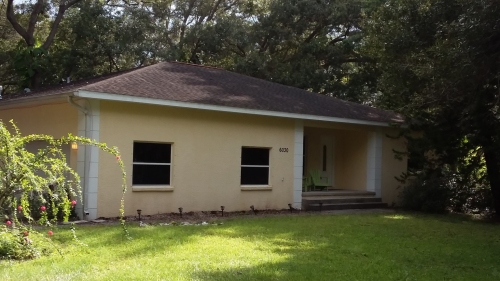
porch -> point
(341, 168)
(341, 199)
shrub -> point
(21, 245)
(428, 192)
(39, 188)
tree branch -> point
(19, 29)
(53, 30)
(313, 34)
(37, 9)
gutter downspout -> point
(84, 187)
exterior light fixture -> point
(180, 211)
(139, 213)
(320, 206)
(290, 207)
(222, 209)
(74, 146)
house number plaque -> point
(283, 149)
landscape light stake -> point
(222, 209)
(320, 206)
(180, 211)
(139, 213)
(253, 209)
(290, 207)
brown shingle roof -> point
(213, 86)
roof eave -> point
(180, 104)
(31, 100)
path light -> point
(222, 209)
(320, 206)
(253, 209)
(139, 211)
(180, 211)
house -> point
(199, 137)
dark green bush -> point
(441, 190)
(427, 192)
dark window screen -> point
(254, 175)
(148, 152)
(254, 156)
(151, 153)
(151, 174)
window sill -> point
(256, 187)
(160, 188)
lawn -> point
(307, 247)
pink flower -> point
(50, 233)
(8, 223)
(19, 208)
(43, 208)
(26, 233)
(118, 158)
(73, 202)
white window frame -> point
(153, 187)
(258, 166)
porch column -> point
(88, 159)
(298, 163)
(374, 163)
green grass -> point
(312, 247)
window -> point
(254, 166)
(151, 163)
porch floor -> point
(340, 199)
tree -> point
(439, 66)
(34, 50)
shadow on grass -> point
(345, 247)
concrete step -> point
(338, 193)
(341, 199)
(346, 206)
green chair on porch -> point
(306, 183)
(318, 181)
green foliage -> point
(438, 65)
(27, 62)
(427, 193)
(40, 188)
(309, 44)
(23, 244)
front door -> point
(326, 159)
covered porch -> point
(341, 159)
(341, 167)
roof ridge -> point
(198, 65)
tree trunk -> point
(493, 171)
(36, 80)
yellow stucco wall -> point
(350, 154)
(56, 119)
(392, 167)
(351, 160)
(206, 158)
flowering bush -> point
(38, 188)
